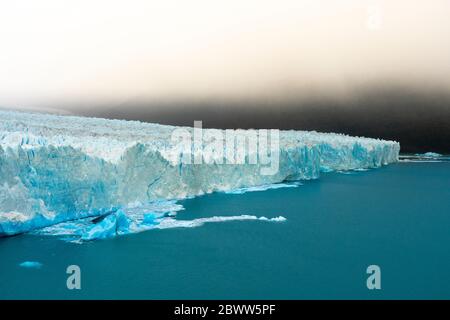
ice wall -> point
(61, 168)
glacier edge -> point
(61, 168)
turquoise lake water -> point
(396, 217)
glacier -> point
(65, 169)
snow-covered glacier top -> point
(60, 168)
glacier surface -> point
(66, 169)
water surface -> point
(397, 217)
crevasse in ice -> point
(63, 168)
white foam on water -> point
(174, 223)
(419, 161)
(264, 187)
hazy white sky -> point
(54, 52)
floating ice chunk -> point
(429, 154)
(107, 228)
(31, 264)
(114, 224)
(149, 219)
(424, 157)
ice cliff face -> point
(62, 168)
